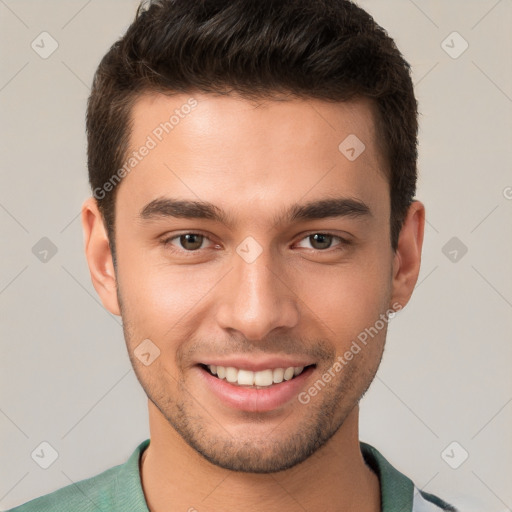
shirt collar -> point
(396, 490)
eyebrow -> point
(313, 210)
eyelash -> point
(343, 242)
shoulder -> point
(91, 494)
(117, 488)
(398, 492)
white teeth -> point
(221, 372)
(231, 374)
(278, 375)
(288, 373)
(263, 378)
(245, 378)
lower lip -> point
(252, 399)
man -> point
(253, 167)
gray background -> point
(65, 376)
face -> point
(249, 243)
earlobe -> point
(99, 255)
(407, 259)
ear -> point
(99, 255)
(407, 259)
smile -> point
(254, 385)
(257, 379)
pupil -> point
(321, 241)
(191, 241)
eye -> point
(187, 241)
(322, 241)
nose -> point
(257, 298)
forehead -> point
(268, 152)
(215, 118)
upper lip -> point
(257, 364)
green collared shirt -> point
(119, 489)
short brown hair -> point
(323, 49)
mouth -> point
(261, 379)
(254, 384)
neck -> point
(335, 478)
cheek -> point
(347, 298)
(159, 298)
